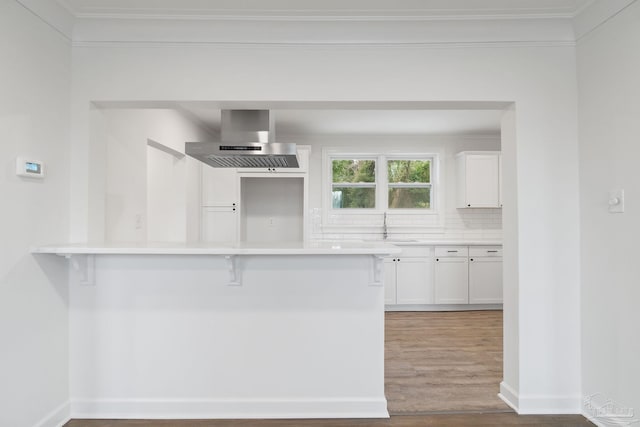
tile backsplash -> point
(457, 224)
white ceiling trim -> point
(331, 9)
(378, 33)
(429, 28)
(346, 45)
(321, 17)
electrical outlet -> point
(616, 201)
(271, 222)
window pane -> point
(354, 171)
(409, 171)
(349, 198)
(409, 198)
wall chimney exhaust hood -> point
(246, 142)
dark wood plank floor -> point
(452, 420)
(443, 361)
(441, 369)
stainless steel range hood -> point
(246, 142)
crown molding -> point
(346, 45)
(328, 27)
(274, 32)
(324, 16)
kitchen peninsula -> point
(286, 330)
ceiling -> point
(328, 8)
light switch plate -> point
(616, 201)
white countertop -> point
(443, 242)
(271, 248)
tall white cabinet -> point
(220, 210)
(479, 179)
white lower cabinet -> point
(408, 277)
(468, 275)
(485, 276)
(219, 224)
(451, 280)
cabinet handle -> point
(437, 259)
(452, 251)
(398, 259)
(492, 252)
(233, 204)
(471, 259)
(469, 205)
(234, 209)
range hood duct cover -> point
(246, 142)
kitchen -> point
(564, 91)
(451, 256)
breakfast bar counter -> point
(287, 330)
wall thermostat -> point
(29, 168)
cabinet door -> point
(451, 281)
(389, 281)
(485, 280)
(414, 281)
(219, 186)
(482, 180)
(219, 224)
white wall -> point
(34, 121)
(148, 193)
(272, 209)
(449, 223)
(540, 80)
(608, 70)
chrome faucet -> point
(385, 232)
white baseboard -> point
(228, 408)
(530, 405)
(550, 405)
(509, 396)
(56, 418)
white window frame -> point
(329, 184)
(382, 184)
(433, 174)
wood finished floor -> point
(434, 362)
(453, 420)
(443, 362)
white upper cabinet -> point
(479, 179)
(219, 186)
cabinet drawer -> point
(452, 251)
(415, 252)
(485, 251)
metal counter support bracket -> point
(233, 273)
(86, 265)
(378, 266)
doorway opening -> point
(443, 361)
